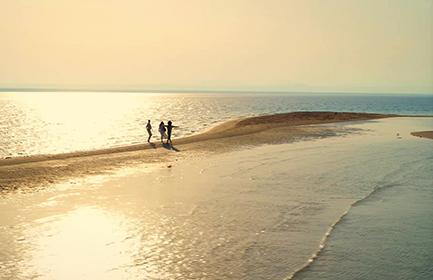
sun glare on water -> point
(80, 121)
(87, 243)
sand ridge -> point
(42, 170)
(423, 134)
(231, 128)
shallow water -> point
(260, 213)
(388, 234)
(56, 122)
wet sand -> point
(423, 134)
(37, 171)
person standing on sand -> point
(162, 131)
(169, 128)
(149, 130)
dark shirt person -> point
(162, 131)
(169, 129)
(149, 130)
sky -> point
(260, 45)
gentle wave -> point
(328, 233)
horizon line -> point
(53, 89)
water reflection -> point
(87, 243)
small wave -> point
(328, 233)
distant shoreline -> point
(225, 91)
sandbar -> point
(423, 134)
(41, 170)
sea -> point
(34, 123)
(357, 205)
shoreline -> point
(231, 128)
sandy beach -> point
(37, 171)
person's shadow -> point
(152, 145)
(170, 147)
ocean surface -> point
(56, 122)
(387, 233)
(354, 206)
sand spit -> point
(34, 171)
(232, 128)
(423, 134)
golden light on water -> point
(79, 108)
(77, 121)
(87, 243)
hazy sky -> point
(278, 45)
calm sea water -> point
(56, 122)
(388, 233)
